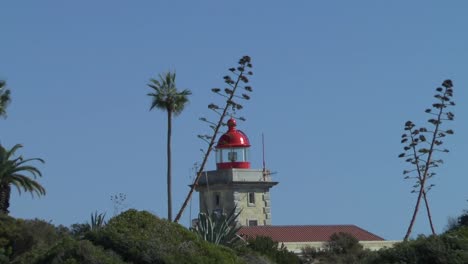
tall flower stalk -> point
(237, 79)
(420, 147)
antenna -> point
(263, 156)
(263, 151)
(265, 171)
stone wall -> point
(259, 211)
(231, 187)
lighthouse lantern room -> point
(232, 150)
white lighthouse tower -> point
(234, 183)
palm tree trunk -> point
(5, 190)
(169, 168)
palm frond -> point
(165, 96)
(4, 98)
(27, 184)
(17, 172)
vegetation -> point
(340, 249)
(69, 251)
(449, 247)
(141, 237)
(420, 146)
(237, 79)
(4, 98)
(14, 171)
(97, 222)
(277, 253)
(463, 219)
(166, 97)
(131, 237)
(219, 229)
(23, 240)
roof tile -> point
(306, 233)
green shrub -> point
(19, 236)
(141, 237)
(447, 248)
(219, 229)
(4, 259)
(70, 251)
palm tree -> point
(166, 98)
(4, 98)
(12, 173)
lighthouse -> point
(234, 184)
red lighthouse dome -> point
(232, 149)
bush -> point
(4, 259)
(141, 237)
(447, 248)
(19, 236)
(70, 251)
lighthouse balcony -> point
(234, 176)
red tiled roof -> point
(306, 233)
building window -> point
(251, 198)
(253, 223)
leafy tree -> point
(12, 172)
(219, 229)
(343, 243)
(277, 253)
(237, 79)
(21, 240)
(342, 248)
(80, 230)
(421, 145)
(166, 97)
(463, 219)
(4, 98)
(460, 221)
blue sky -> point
(334, 82)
